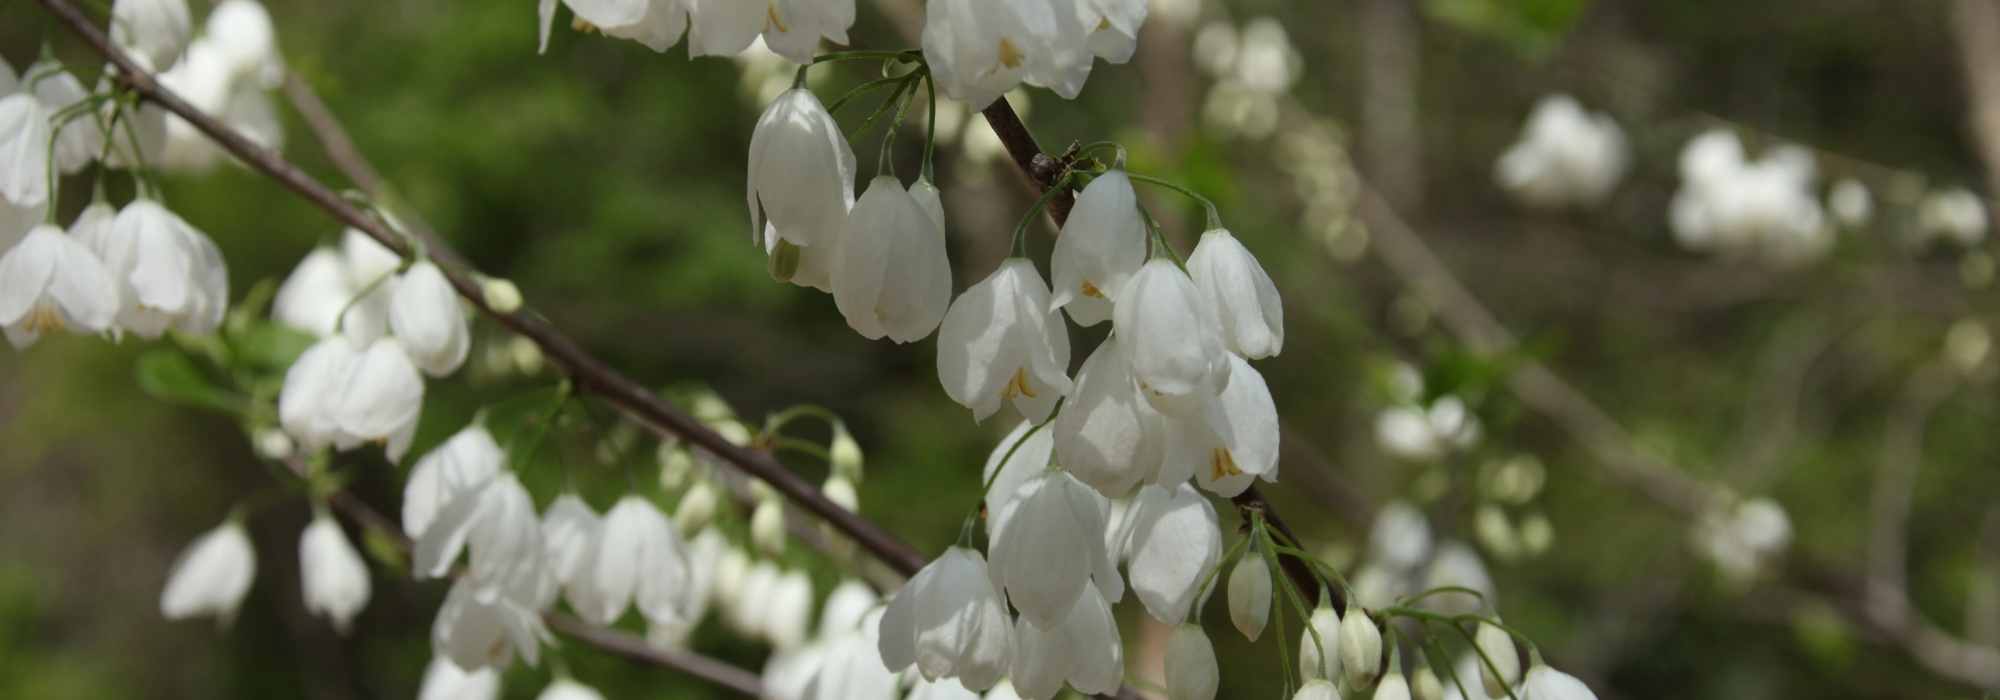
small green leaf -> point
(170, 375)
(267, 346)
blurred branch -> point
(1392, 149)
(1976, 24)
(1895, 485)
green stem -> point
(884, 161)
(1214, 215)
(840, 56)
(1160, 240)
(930, 127)
(857, 90)
(1021, 229)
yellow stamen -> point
(1221, 464)
(1103, 24)
(771, 17)
(44, 318)
(1010, 55)
(581, 25)
(1018, 386)
(1091, 290)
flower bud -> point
(1312, 664)
(1498, 647)
(1250, 595)
(1425, 685)
(733, 431)
(697, 508)
(1496, 532)
(841, 492)
(527, 356)
(676, 465)
(1544, 683)
(1393, 687)
(845, 456)
(1191, 669)
(272, 443)
(1317, 690)
(767, 526)
(1360, 648)
(1537, 534)
(501, 295)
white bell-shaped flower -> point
(306, 405)
(1192, 673)
(211, 576)
(978, 50)
(950, 622)
(381, 399)
(367, 259)
(24, 150)
(1108, 435)
(1319, 646)
(801, 174)
(1544, 683)
(497, 522)
(426, 316)
(1246, 302)
(942, 689)
(313, 296)
(795, 27)
(170, 274)
(1317, 690)
(155, 29)
(79, 141)
(1102, 244)
(790, 616)
(1176, 542)
(332, 573)
(1360, 647)
(1048, 548)
(1501, 667)
(1001, 342)
(50, 282)
(476, 628)
(849, 602)
(1082, 648)
(852, 669)
(1114, 26)
(1392, 687)
(891, 277)
(1425, 685)
(790, 675)
(1026, 456)
(727, 27)
(458, 467)
(242, 33)
(1233, 442)
(444, 680)
(656, 23)
(1250, 595)
(1169, 330)
(639, 561)
(570, 530)
(569, 689)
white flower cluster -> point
(1410, 430)
(1732, 206)
(980, 49)
(792, 28)
(1403, 559)
(381, 328)
(1566, 156)
(1253, 68)
(227, 72)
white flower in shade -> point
(79, 141)
(169, 273)
(1001, 342)
(16, 221)
(568, 689)
(1082, 648)
(727, 27)
(312, 391)
(941, 689)
(950, 622)
(1176, 542)
(767, 526)
(458, 467)
(749, 602)
(890, 274)
(1360, 647)
(380, 399)
(1400, 536)
(1108, 435)
(444, 680)
(313, 296)
(790, 614)
(1246, 302)
(1192, 673)
(155, 29)
(1317, 690)
(1102, 244)
(425, 315)
(570, 530)
(795, 27)
(211, 576)
(1169, 332)
(476, 629)
(1731, 205)
(656, 23)
(801, 180)
(1114, 26)
(1501, 667)
(639, 561)
(790, 675)
(1393, 687)
(241, 31)
(50, 282)
(852, 669)
(1424, 684)
(333, 574)
(1566, 156)
(24, 150)
(497, 522)
(1457, 566)
(978, 50)
(1319, 646)
(1048, 547)
(1025, 461)
(1544, 683)
(1235, 443)
(1250, 595)
(367, 259)
(845, 606)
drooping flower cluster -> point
(792, 28)
(1414, 430)
(1253, 68)
(1736, 207)
(980, 49)
(1565, 157)
(228, 72)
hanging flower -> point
(426, 316)
(1319, 645)
(790, 614)
(1176, 542)
(1023, 462)
(497, 522)
(801, 180)
(1081, 648)
(1250, 595)
(891, 276)
(1317, 690)
(1501, 667)
(1360, 647)
(486, 630)
(569, 689)
(1108, 435)
(639, 560)
(1192, 673)
(306, 405)
(380, 399)
(1246, 302)
(211, 576)
(1047, 547)
(978, 50)
(313, 296)
(1233, 442)
(950, 622)
(155, 29)
(24, 150)
(1544, 683)
(1170, 334)
(458, 467)
(332, 572)
(79, 141)
(51, 282)
(1001, 341)
(170, 274)
(444, 680)
(1114, 26)
(1102, 244)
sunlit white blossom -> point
(333, 574)
(24, 150)
(1192, 673)
(211, 576)
(379, 399)
(1048, 548)
(1082, 648)
(1319, 645)
(891, 277)
(1108, 435)
(444, 680)
(801, 183)
(49, 282)
(1500, 668)
(82, 138)
(1544, 683)
(950, 622)
(427, 318)
(459, 466)
(1102, 244)
(1176, 542)
(156, 29)
(170, 275)
(569, 689)
(1001, 342)
(1233, 441)
(1169, 331)
(1246, 302)
(1360, 647)
(638, 560)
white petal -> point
(1175, 543)
(425, 315)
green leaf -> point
(170, 375)
(267, 346)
